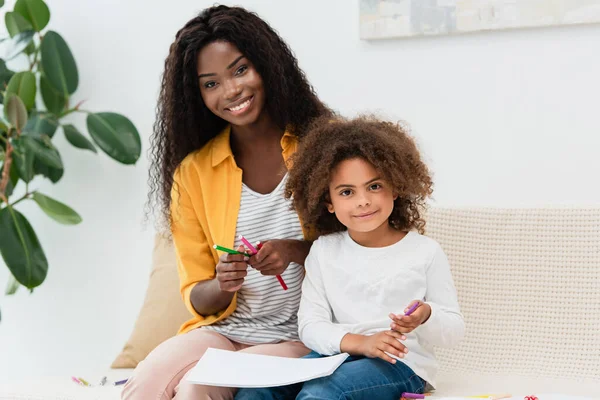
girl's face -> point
(230, 86)
(360, 198)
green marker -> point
(230, 251)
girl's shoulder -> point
(330, 241)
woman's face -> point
(230, 86)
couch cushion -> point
(163, 311)
(528, 282)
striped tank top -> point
(265, 312)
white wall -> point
(504, 118)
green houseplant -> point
(35, 101)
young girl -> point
(362, 184)
(232, 105)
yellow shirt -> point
(204, 208)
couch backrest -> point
(528, 282)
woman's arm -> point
(207, 298)
(196, 266)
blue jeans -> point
(357, 378)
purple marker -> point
(410, 311)
(413, 396)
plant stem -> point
(6, 171)
(20, 199)
(74, 109)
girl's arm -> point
(315, 325)
(445, 326)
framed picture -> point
(380, 19)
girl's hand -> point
(379, 344)
(407, 323)
(274, 256)
(231, 270)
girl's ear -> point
(395, 196)
(330, 208)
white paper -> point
(244, 370)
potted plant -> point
(36, 99)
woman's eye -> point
(241, 70)
(210, 85)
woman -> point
(232, 106)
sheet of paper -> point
(243, 370)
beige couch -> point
(529, 287)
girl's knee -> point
(251, 394)
(318, 390)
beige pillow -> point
(163, 311)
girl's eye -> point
(346, 192)
(241, 70)
(375, 186)
(210, 85)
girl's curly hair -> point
(183, 122)
(385, 145)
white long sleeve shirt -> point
(349, 288)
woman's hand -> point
(407, 323)
(231, 270)
(276, 255)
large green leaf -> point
(23, 85)
(58, 63)
(1, 3)
(54, 174)
(116, 136)
(77, 139)
(54, 100)
(43, 150)
(34, 11)
(11, 286)
(15, 111)
(5, 75)
(23, 160)
(16, 23)
(40, 124)
(56, 210)
(21, 250)
(17, 44)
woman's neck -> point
(261, 134)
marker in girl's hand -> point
(407, 325)
(412, 308)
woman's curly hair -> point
(385, 145)
(184, 123)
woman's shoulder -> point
(202, 161)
